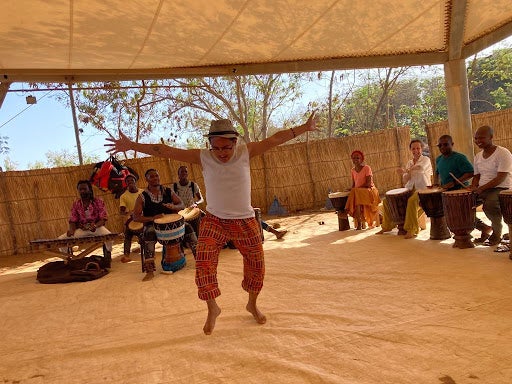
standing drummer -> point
(187, 190)
(154, 202)
(493, 173)
(189, 193)
(126, 206)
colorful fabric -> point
(369, 199)
(95, 211)
(412, 213)
(214, 233)
(359, 178)
(174, 266)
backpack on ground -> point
(84, 269)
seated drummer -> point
(189, 192)
(363, 200)
(493, 174)
(88, 217)
(451, 163)
(126, 206)
(154, 202)
(417, 175)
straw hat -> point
(222, 128)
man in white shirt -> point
(493, 173)
(230, 216)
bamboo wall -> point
(35, 204)
(500, 121)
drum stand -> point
(462, 239)
(343, 223)
(438, 229)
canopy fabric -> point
(78, 40)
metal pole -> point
(75, 123)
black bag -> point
(85, 269)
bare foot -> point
(381, 232)
(409, 235)
(213, 313)
(149, 276)
(280, 234)
(258, 316)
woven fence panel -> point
(35, 204)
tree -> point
(490, 81)
(61, 158)
(171, 110)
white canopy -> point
(78, 40)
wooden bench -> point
(54, 245)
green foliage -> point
(490, 81)
(62, 158)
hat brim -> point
(221, 134)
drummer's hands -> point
(475, 189)
(169, 206)
(122, 144)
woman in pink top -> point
(363, 201)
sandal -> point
(493, 240)
(502, 248)
(482, 239)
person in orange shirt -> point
(363, 200)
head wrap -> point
(359, 152)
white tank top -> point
(228, 185)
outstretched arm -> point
(257, 148)
(124, 144)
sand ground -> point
(342, 307)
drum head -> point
(460, 192)
(170, 218)
(135, 226)
(190, 213)
(334, 195)
(506, 192)
(397, 191)
(429, 190)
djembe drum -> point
(460, 212)
(431, 201)
(193, 217)
(170, 231)
(397, 202)
(505, 198)
(338, 201)
(135, 227)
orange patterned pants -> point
(213, 235)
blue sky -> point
(41, 127)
